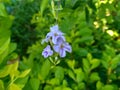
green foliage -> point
(23, 32)
(43, 6)
(90, 26)
(4, 32)
(45, 69)
(35, 85)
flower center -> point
(55, 34)
(46, 52)
(61, 46)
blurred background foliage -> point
(92, 27)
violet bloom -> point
(55, 33)
(54, 28)
(45, 40)
(62, 47)
(47, 52)
(57, 41)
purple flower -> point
(61, 48)
(54, 28)
(57, 41)
(47, 52)
(45, 40)
(55, 34)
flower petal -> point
(51, 53)
(56, 48)
(60, 39)
(62, 53)
(50, 34)
(47, 52)
(68, 48)
(54, 39)
(54, 28)
(45, 40)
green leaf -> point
(65, 83)
(108, 87)
(12, 47)
(1, 85)
(115, 61)
(86, 66)
(89, 57)
(45, 69)
(58, 88)
(54, 81)
(4, 40)
(21, 82)
(67, 25)
(79, 75)
(5, 71)
(5, 24)
(4, 44)
(94, 77)
(14, 87)
(35, 82)
(95, 63)
(71, 74)
(48, 87)
(82, 51)
(43, 6)
(110, 51)
(59, 73)
(2, 10)
(71, 63)
(14, 70)
(27, 86)
(99, 85)
(85, 32)
(53, 9)
(81, 86)
(105, 64)
(62, 88)
(24, 73)
(86, 39)
(66, 88)
(6, 1)
(3, 55)
(113, 76)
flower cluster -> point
(57, 42)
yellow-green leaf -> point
(79, 75)
(1, 85)
(108, 87)
(14, 87)
(59, 73)
(94, 77)
(2, 10)
(45, 69)
(35, 83)
(99, 85)
(24, 73)
(43, 5)
(95, 63)
(5, 71)
(14, 72)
